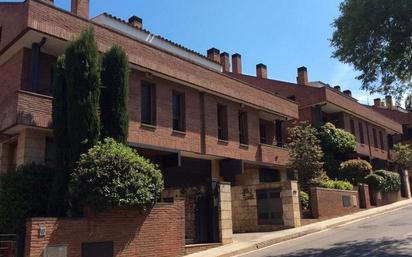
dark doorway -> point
(269, 207)
(98, 249)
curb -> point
(269, 239)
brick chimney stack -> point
(225, 62)
(237, 63)
(81, 8)
(348, 93)
(337, 87)
(136, 22)
(389, 103)
(213, 54)
(261, 71)
(377, 102)
(302, 78)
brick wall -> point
(328, 203)
(157, 232)
(379, 199)
(13, 19)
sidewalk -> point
(246, 242)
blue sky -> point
(283, 34)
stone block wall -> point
(329, 203)
(244, 207)
(225, 213)
(154, 233)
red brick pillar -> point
(364, 200)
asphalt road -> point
(387, 235)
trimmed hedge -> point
(24, 193)
(355, 171)
(332, 184)
(113, 175)
(384, 181)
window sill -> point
(245, 146)
(148, 126)
(273, 146)
(178, 133)
(222, 142)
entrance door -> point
(100, 249)
(269, 207)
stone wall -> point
(244, 207)
(154, 233)
(329, 203)
(225, 213)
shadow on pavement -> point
(372, 247)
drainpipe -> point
(202, 123)
(369, 142)
(35, 53)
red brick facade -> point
(157, 232)
(329, 203)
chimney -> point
(81, 8)
(261, 71)
(237, 63)
(225, 62)
(136, 22)
(302, 76)
(213, 54)
(348, 93)
(377, 102)
(389, 103)
(337, 88)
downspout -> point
(369, 142)
(35, 54)
(202, 123)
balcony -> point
(273, 154)
(25, 108)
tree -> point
(403, 156)
(112, 175)
(375, 37)
(355, 171)
(83, 91)
(335, 143)
(408, 103)
(114, 98)
(305, 152)
(23, 194)
(56, 206)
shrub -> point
(333, 184)
(113, 175)
(305, 152)
(304, 200)
(384, 181)
(23, 193)
(355, 170)
(336, 140)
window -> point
(222, 126)
(50, 152)
(148, 101)
(243, 130)
(390, 141)
(269, 175)
(381, 140)
(12, 156)
(362, 138)
(375, 139)
(266, 132)
(352, 127)
(178, 107)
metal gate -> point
(8, 245)
(269, 207)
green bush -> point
(355, 171)
(384, 181)
(333, 184)
(113, 175)
(304, 200)
(24, 193)
(336, 140)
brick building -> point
(215, 137)
(319, 102)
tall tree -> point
(305, 152)
(56, 206)
(375, 36)
(83, 92)
(114, 98)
